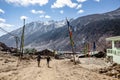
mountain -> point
(54, 35)
(32, 31)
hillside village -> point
(86, 47)
(87, 67)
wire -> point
(10, 34)
(7, 32)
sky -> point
(12, 12)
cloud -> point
(2, 20)
(97, 0)
(23, 17)
(6, 26)
(79, 6)
(42, 16)
(37, 12)
(80, 11)
(27, 2)
(2, 11)
(62, 3)
(3, 23)
(81, 1)
(45, 16)
(61, 11)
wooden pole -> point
(22, 40)
(16, 39)
(71, 43)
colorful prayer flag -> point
(94, 46)
(70, 33)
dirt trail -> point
(60, 70)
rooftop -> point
(115, 38)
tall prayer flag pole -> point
(71, 40)
(22, 39)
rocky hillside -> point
(86, 29)
(32, 31)
(5, 48)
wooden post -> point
(71, 42)
(16, 39)
(22, 40)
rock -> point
(118, 76)
(114, 64)
(113, 71)
(6, 61)
(4, 47)
(102, 71)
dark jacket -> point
(48, 58)
(38, 57)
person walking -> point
(48, 61)
(38, 59)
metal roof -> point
(115, 38)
